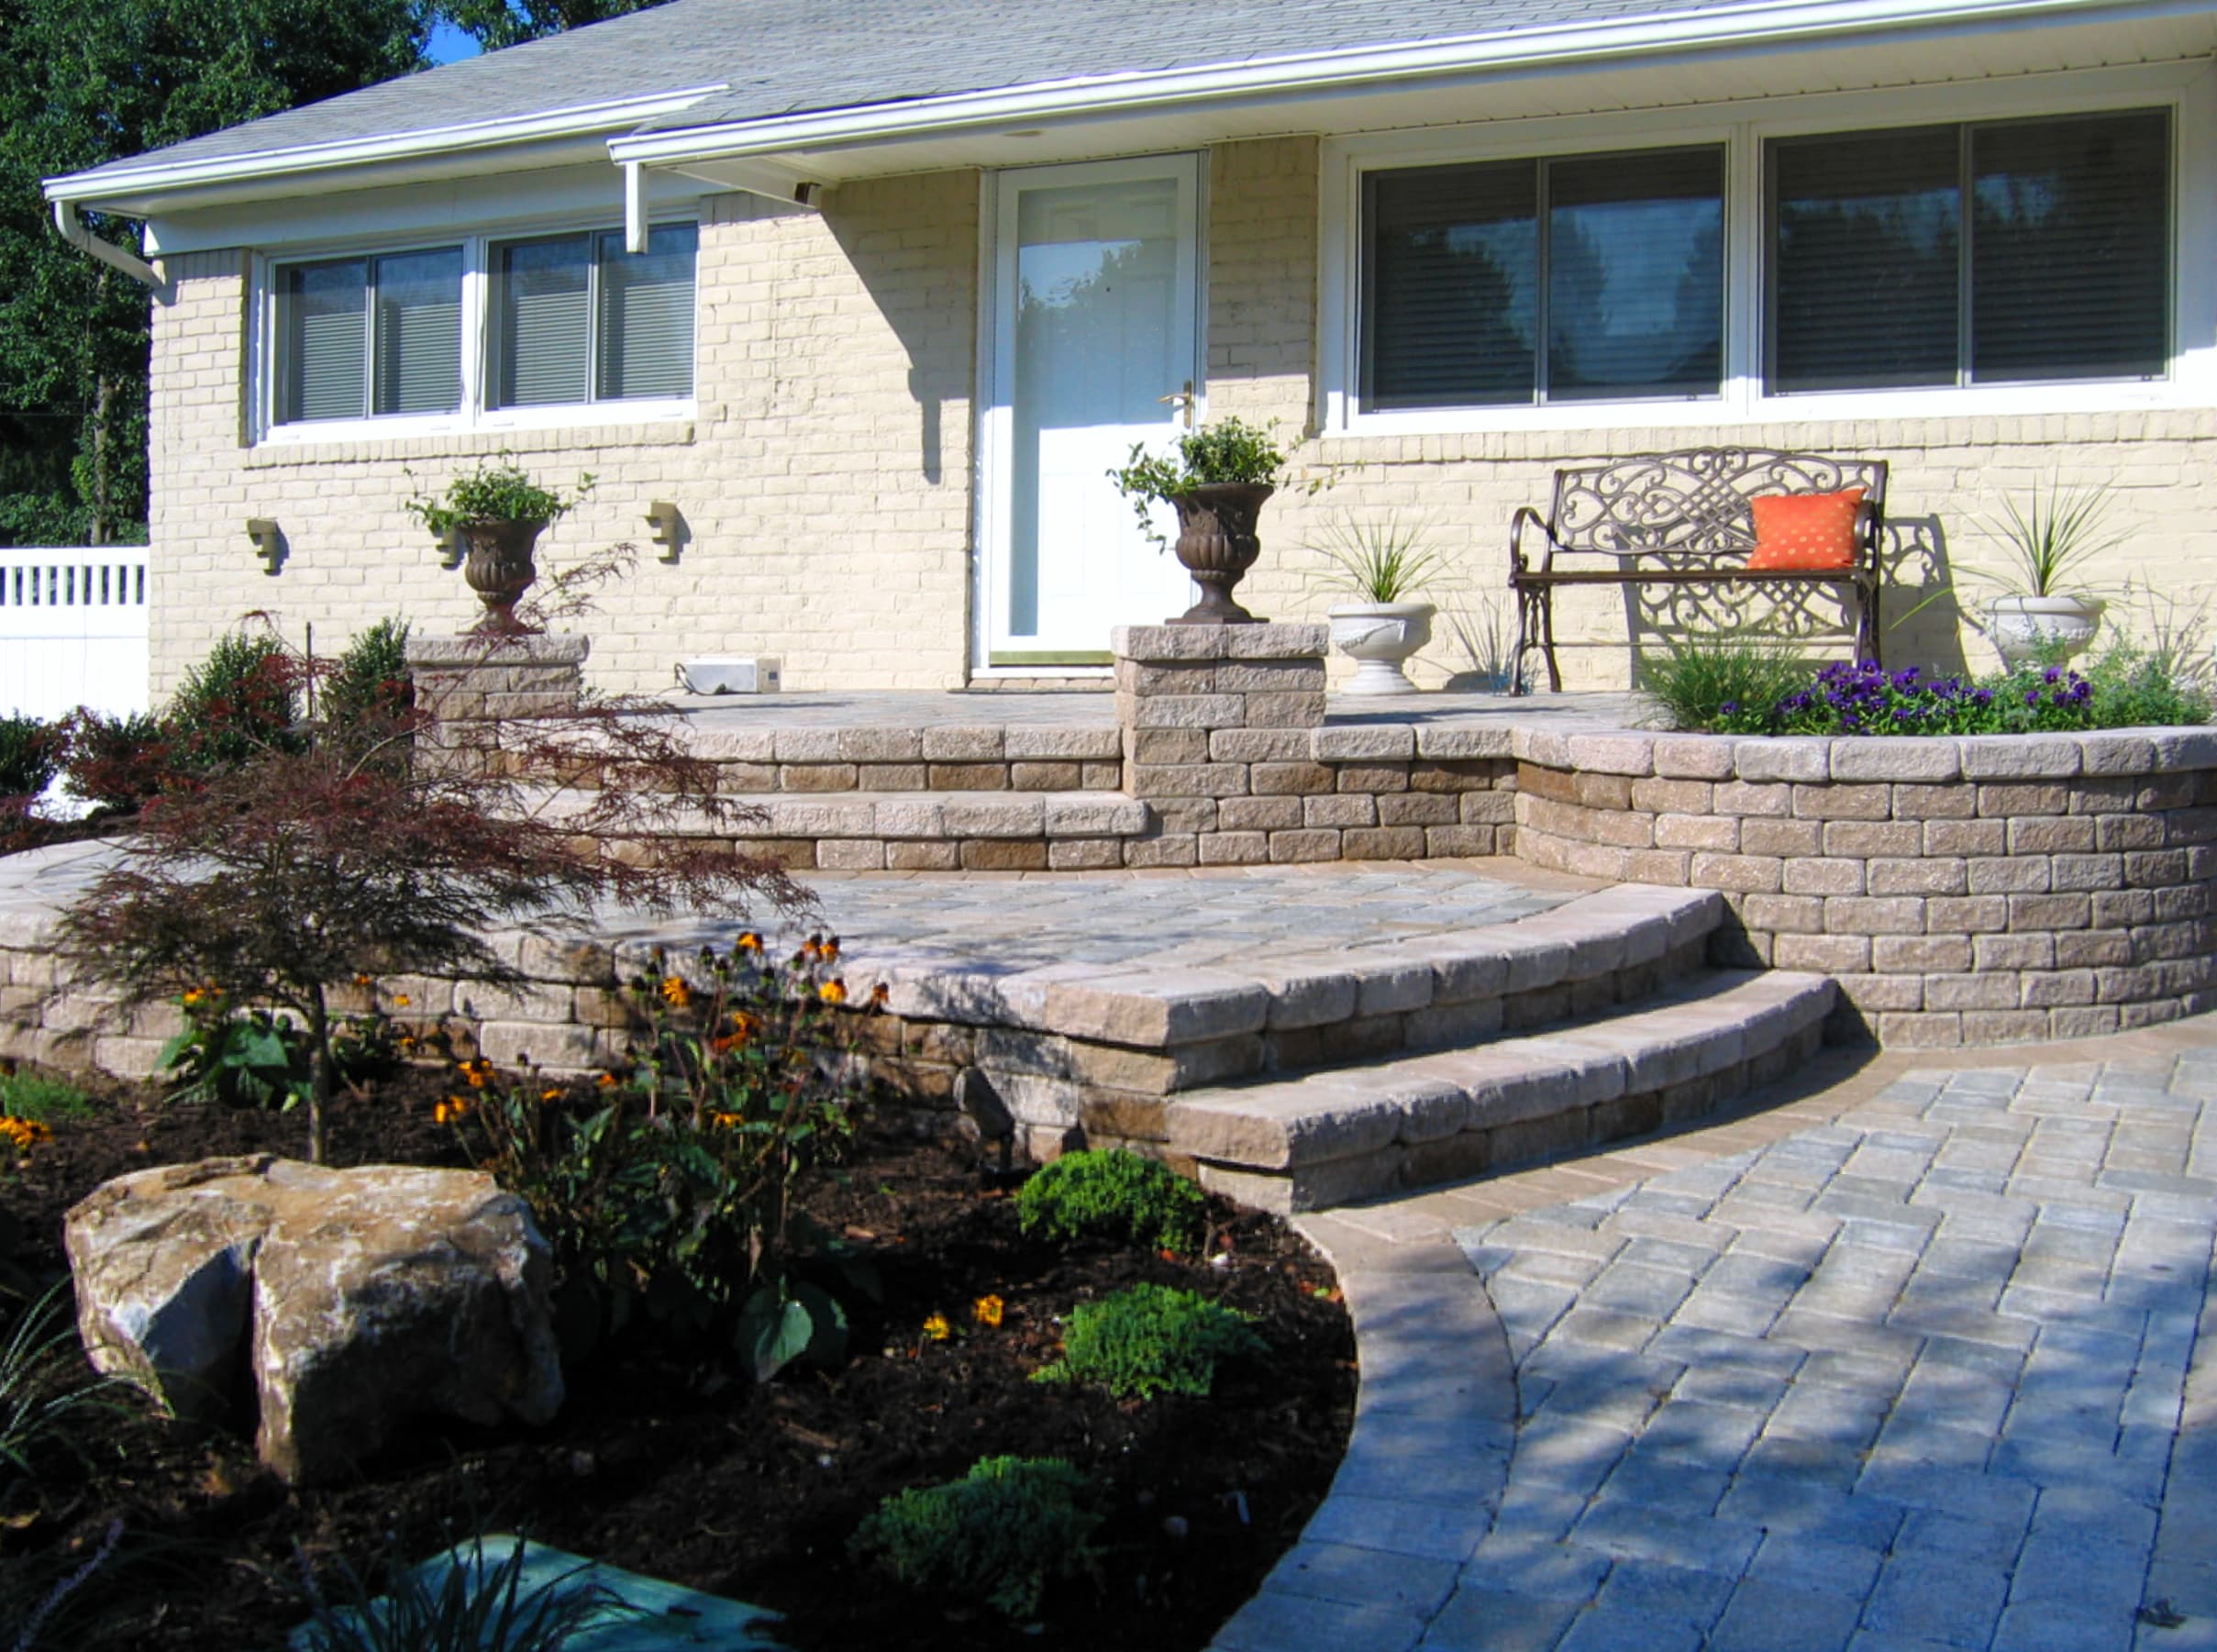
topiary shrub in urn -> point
(1217, 480)
(499, 513)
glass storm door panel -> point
(1094, 328)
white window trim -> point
(474, 418)
(2189, 90)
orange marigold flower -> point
(675, 993)
(937, 1329)
(192, 995)
(833, 991)
(361, 980)
(987, 1310)
(607, 1081)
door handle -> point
(1183, 401)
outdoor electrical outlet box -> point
(755, 676)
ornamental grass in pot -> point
(499, 513)
(1217, 479)
(2042, 612)
(1385, 565)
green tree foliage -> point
(83, 83)
(498, 23)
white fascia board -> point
(159, 177)
(1751, 25)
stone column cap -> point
(1287, 640)
(498, 650)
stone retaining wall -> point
(1975, 891)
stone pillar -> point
(468, 686)
(1206, 712)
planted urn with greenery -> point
(1217, 479)
(1385, 566)
(498, 513)
(2043, 610)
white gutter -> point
(156, 175)
(1759, 23)
(74, 232)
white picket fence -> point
(73, 630)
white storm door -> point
(1096, 293)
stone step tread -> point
(1694, 1030)
(1088, 742)
(1149, 1006)
(941, 817)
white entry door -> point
(1096, 287)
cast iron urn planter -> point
(1217, 543)
(499, 568)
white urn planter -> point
(1378, 636)
(2024, 628)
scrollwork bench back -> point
(1682, 518)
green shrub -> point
(2136, 688)
(1114, 1196)
(1151, 1339)
(43, 1100)
(30, 752)
(1723, 684)
(235, 705)
(1001, 1533)
(369, 685)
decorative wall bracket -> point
(670, 531)
(451, 550)
(269, 543)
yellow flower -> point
(937, 1328)
(749, 942)
(743, 1026)
(726, 1121)
(450, 1111)
(25, 1133)
(987, 1310)
(361, 980)
(879, 994)
(812, 948)
(400, 1001)
(675, 993)
(607, 1080)
(549, 1095)
(478, 1071)
(833, 992)
(829, 951)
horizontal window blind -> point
(326, 341)
(2071, 248)
(1616, 262)
(544, 336)
(2008, 252)
(419, 332)
(646, 316)
(1635, 275)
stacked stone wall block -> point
(2047, 878)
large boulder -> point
(357, 1299)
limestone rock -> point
(361, 1299)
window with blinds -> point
(2014, 252)
(364, 336)
(582, 320)
(1514, 282)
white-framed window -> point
(490, 332)
(1955, 251)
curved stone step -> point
(1355, 1132)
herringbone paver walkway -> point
(1912, 1365)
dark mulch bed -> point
(664, 1463)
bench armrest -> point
(1526, 518)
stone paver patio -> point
(1924, 1359)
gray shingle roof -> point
(783, 57)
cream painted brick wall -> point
(1948, 473)
(828, 480)
(826, 483)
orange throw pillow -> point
(1812, 532)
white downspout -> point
(74, 232)
(635, 206)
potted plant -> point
(2037, 613)
(499, 513)
(1216, 481)
(1385, 565)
